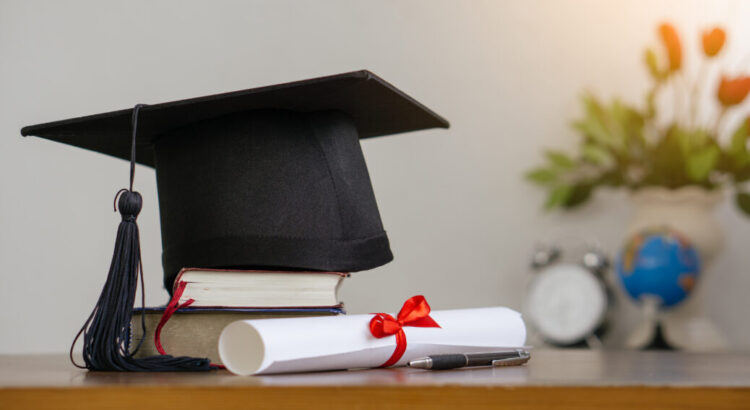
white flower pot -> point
(689, 211)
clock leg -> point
(594, 342)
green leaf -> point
(559, 159)
(651, 103)
(617, 121)
(700, 163)
(594, 122)
(742, 174)
(542, 176)
(578, 196)
(681, 138)
(593, 128)
(558, 196)
(698, 138)
(738, 145)
(628, 126)
(653, 65)
(595, 154)
(690, 140)
(743, 202)
(614, 178)
(665, 163)
(615, 126)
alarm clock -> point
(569, 303)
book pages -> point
(344, 342)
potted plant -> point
(676, 167)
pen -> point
(456, 360)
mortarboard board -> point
(270, 177)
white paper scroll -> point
(344, 342)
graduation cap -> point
(270, 177)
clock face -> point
(566, 303)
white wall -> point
(461, 220)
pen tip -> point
(425, 363)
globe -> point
(659, 263)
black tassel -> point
(106, 333)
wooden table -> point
(570, 379)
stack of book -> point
(220, 297)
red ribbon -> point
(173, 306)
(415, 312)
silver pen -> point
(456, 360)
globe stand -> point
(683, 327)
(686, 327)
(646, 331)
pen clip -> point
(522, 358)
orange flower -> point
(733, 91)
(713, 41)
(672, 42)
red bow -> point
(415, 312)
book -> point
(228, 288)
(195, 331)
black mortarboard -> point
(268, 177)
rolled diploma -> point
(344, 342)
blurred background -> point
(462, 221)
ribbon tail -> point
(168, 312)
(423, 322)
(400, 349)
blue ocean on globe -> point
(658, 263)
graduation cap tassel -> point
(106, 332)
